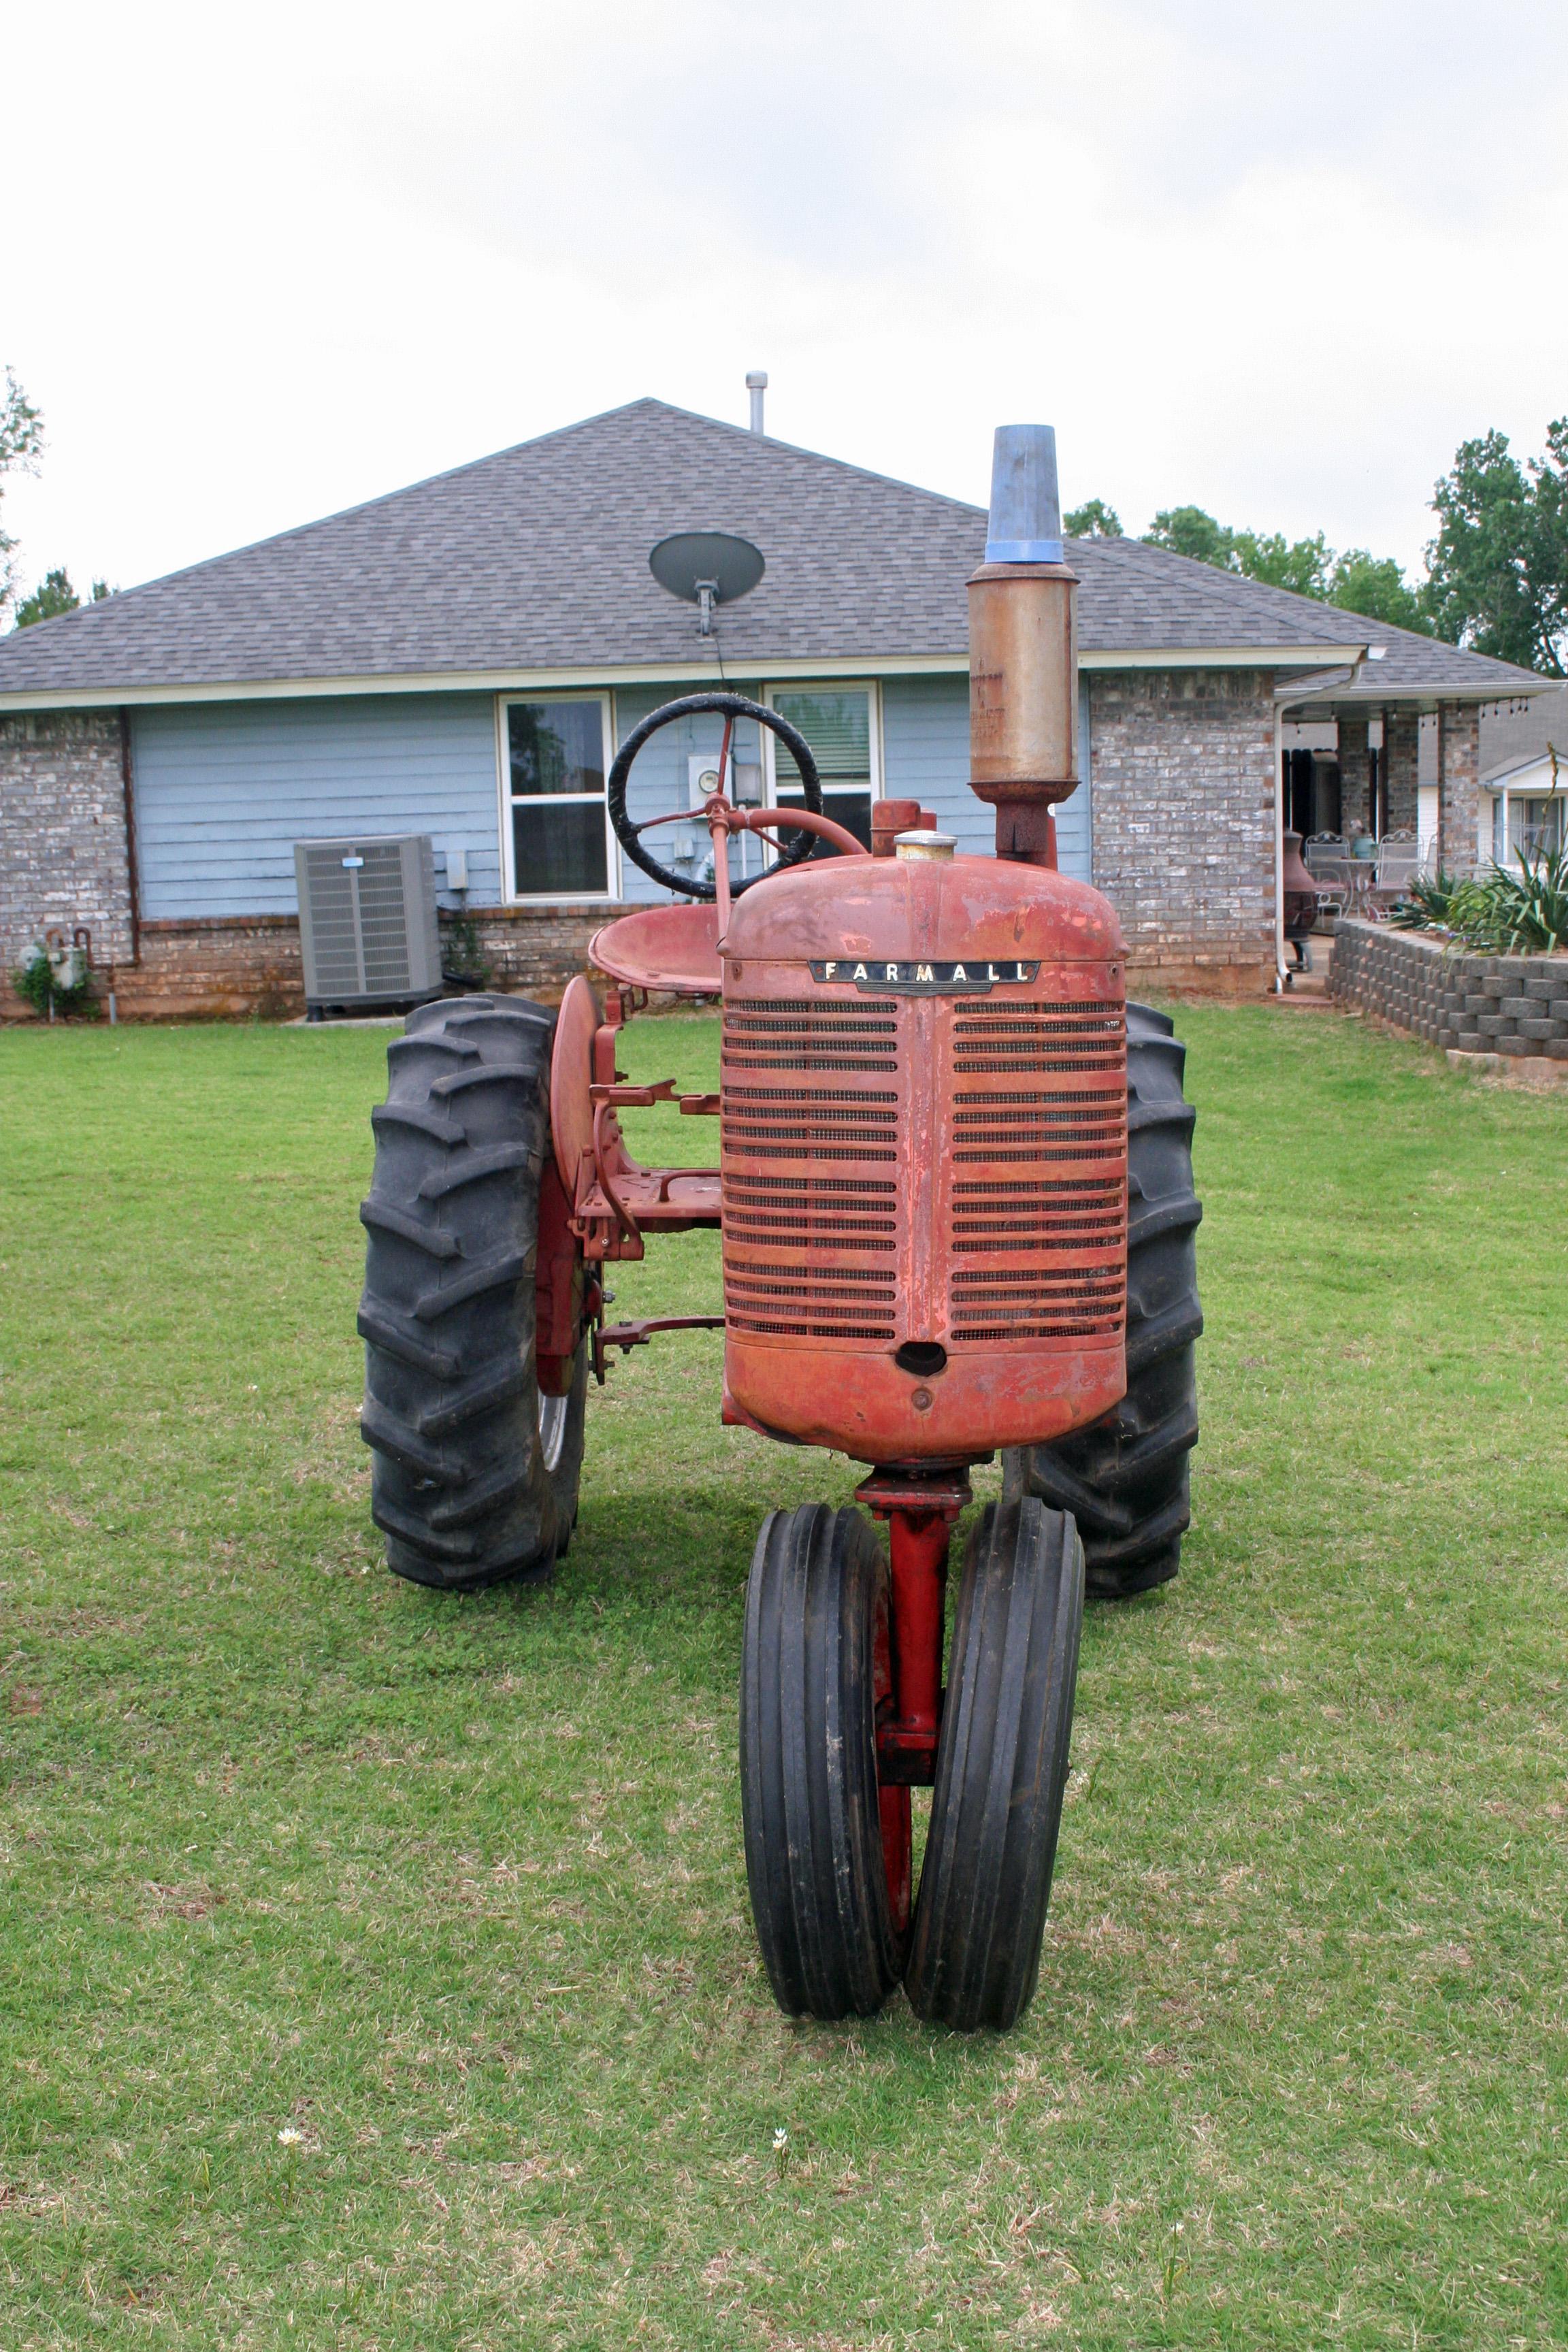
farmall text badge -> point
(879, 975)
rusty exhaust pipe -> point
(1023, 650)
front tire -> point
(1001, 1770)
(817, 1661)
(1126, 1477)
(475, 1477)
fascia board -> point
(667, 673)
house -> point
(461, 657)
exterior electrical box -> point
(368, 933)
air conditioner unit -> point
(368, 931)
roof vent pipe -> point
(1025, 524)
(756, 384)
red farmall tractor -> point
(956, 1203)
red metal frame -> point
(948, 1170)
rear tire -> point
(1001, 1770)
(816, 1652)
(1125, 1478)
(475, 1477)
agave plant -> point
(1426, 904)
(1529, 910)
(1498, 913)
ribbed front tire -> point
(1125, 1478)
(1001, 1770)
(816, 1617)
(476, 1476)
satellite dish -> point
(707, 568)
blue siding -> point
(224, 790)
(925, 755)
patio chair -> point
(1327, 860)
(1398, 863)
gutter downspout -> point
(132, 876)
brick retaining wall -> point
(1516, 1005)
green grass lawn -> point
(376, 1967)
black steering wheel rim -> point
(729, 706)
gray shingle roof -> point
(536, 559)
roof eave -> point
(582, 678)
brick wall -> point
(235, 966)
(1182, 771)
(62, 832)
(1516, 1005)
(1355, 773)
(1401, 768)
(1458, 786)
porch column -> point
(1401, 768)
(1355, 773)
(1458, 786)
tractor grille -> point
(948, 1168)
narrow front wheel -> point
(1001, 1770)
(827, 1850)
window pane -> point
(555, 746)
(837, 725)
(1535, 826)
(852, 810)
(559, 850)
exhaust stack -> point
(1023, 650)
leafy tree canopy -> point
(1094, 520)
(1375, 586)
(56, 594)
(21, 440)
(1497, 570)
(1361, 582)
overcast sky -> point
(1274, 259)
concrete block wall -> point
(1183, 822)
(1516, 1005)
(62, 832)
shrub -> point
(1498, 913)
(37, 985)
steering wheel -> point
(730, 706)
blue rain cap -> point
(1026, 525)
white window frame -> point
(870, 686)
(1501, 810)
(513, 895)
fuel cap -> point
(923, 844)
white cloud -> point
(1278, 260)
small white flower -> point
(290, 2136)
(780, 2140)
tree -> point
(56, 594)
(1094, 520)
(1363, 582)
(21, 439)
(1497, 570)
(1375, 587)
(1188, 531)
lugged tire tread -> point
(1127, 1476)
(459, 1484)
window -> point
(554, 818)
(840, 725)
(1535, 825)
